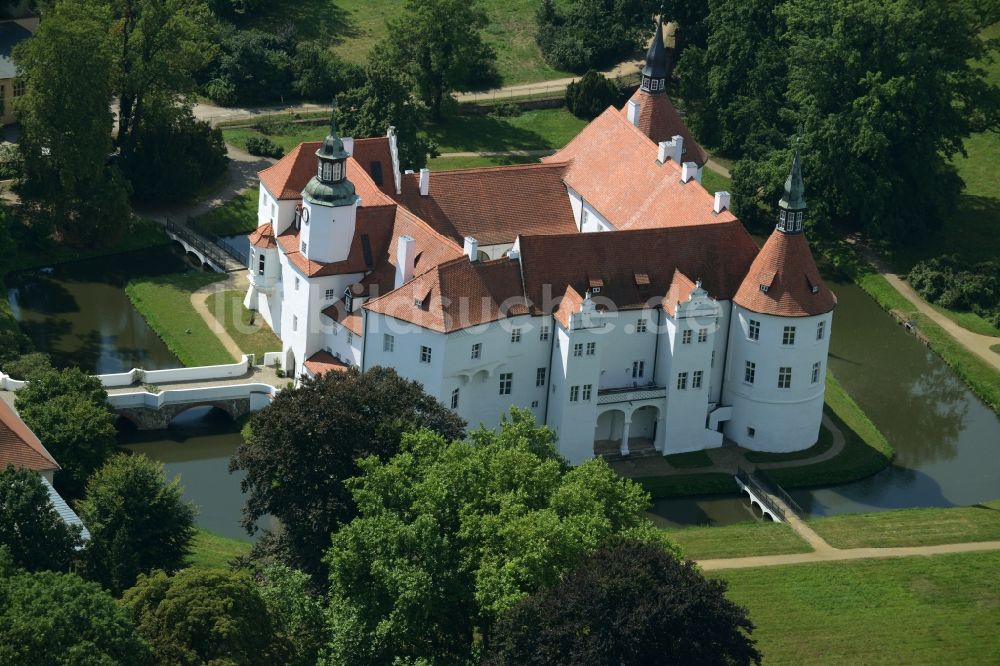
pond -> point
(947, 441)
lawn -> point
(740, 540)
(866, 450)
(531, 130)
(286, 135)
(682, 485)
(914, 610)
(820, 447)
(236, 216)
(256, 338)
(452, 163)
(715, 182)
(165, 303)
(354, 26)
(912, 527)
(689, 460)
(211, 551)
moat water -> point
(947, 441)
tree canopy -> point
(58, 618)
(627, 603)
(35, 535)
(450, 535)
(300, 449)
(67, 410)
(137, 520)
(585, 34)
(298, 615)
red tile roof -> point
(263, 237)
(322, 362)
(374, 157)
(614, 167)
(19, 446)
(286, 178)
(786, 267)
(495, 204)
(660, 121)
(680, 289)
(373, 222)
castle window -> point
(686, 338)
(388, 343)
(702, 335)
(682, 381)
(654, 84)
(586, 392)
(815, 372)
(295, 323)
(696, 379)
(506, 380)
(425, 354)
(260, 264)
(18, 87)
(348, 300)
(350, 337)
(543, 333)
(712, 364)
(764, 288)
(821, 330)
(591, 348)
(638, 368)
(578, 349)
(327, 171)
(540, 377)
(296, 284)
(305, 247)
(749, 372)
(338, 171)
(534, 403)
(454, 399)
(751, 431)
(788, 336)
(515, 335)
(477, 350)
(330, 294)
(781, 219)
(784, 378)
(753, 329)
(574, 393)
(640, 326)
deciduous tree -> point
(300, 449)
(298, 615)
(35, 535)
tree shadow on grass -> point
(484, 133)
(324, 20)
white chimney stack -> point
(664, 152)
(633, 112)
(676, 145)
(689, 170)
(406, 254)
(721, 202)
(348, 144)
(425, 182)
(471, 248)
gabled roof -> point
(19, 446)
(785, 266)
(494, 204)
(263, 237)
(680, 289)
(322, 362)
(287, 177)
(375, 158)
(659, 120)
(373, 227)
(614, 167)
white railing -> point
(145, 399)
(169, 376)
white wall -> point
(279, 213)
(329, 232)
(594, 220)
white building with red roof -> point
(604, 289)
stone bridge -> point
(155, 411)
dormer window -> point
(348, 300)
(764, 288)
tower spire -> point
(330, 186)
(654, 72)
(793, 201)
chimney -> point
(721, 202)
(689, 170)
(425, 182)
(348, 144)
(664, 153)
(471, 248)
(633, 112)
(671, 150)
(406, 252)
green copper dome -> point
(330, 186)
(329, 194)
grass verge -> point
(690, 460)
(681, 485)
(911, 610)
(821, 446)
(257, 339)
(531, 130)
(211, 551)
(165, 303)
(715, 182)
(236, 216)
(866, 450)
(740, 540)
(911, 527)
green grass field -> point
(715, 182)
(740, 540)
(532, 130)
(165, 303)
(211, 551)
(236, 216)
(912, 527)
(820, 447)
(257, 339)
(914, 610)
(354, 26)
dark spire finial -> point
(794, 195)
(655, 68)
(333, 116)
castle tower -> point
(652, 111)
(779, 337)
(329, 203)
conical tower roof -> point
(794, 196)
(656, 56)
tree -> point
(202, 617)
(690, 17)
(591, 95)
(593, 33)
(383, 101)
(35, 535)
(320, 74)
(68, 411)
(58, 618)
(627, 603)
(450, 535)
(300, 449)
(297, 614)
(66, 123)
(138, 522)
(253, 67)
(439, 44)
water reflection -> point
(701, 510)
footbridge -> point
(209, 253)
(767, 496)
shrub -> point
(592, 33)
(505, 109)
(11, 161)
(261, 145)
(591, 95)
(949, 283)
